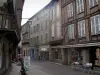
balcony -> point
(25, 41)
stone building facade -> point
(56, 33)
(10, 27)
(25, 38)
(80, 31)
(40, 31)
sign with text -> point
(27, 62)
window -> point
(1, 20)
(71, 31)
(93, 3)
(34, 29)
(46, 35)
(81, 28)
(6, 23)
(38, 27)
(0, 56)
(70, 10)
(53, 30)
(58, 10)
(80, 6)
(53, 18)
(45, 23)
(41, 38)
(95, 24)
(37, 40)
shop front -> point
(44, 52)
(80, 55)
(58, 55)
(95, 57)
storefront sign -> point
(43, 49)
(26, 62)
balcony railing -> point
(25, 41)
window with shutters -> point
(95, 24)
(0, 21)
(70, 10)
(81, 28)
(93, 3)
(80, 6)
(71, 31)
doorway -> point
(92, 55)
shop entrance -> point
(92, 55)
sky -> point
(31, 7)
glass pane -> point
(90, 3)
(93, 30)
(83, 32)
(96, 2)
(0, 20)
(92, 21)
(99, 22)
(97, 29)
(96, 20)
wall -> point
(85, 15)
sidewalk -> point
(15, 70)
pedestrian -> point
(22, 71)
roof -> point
(47, 6)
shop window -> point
(97, 61)
(74, 56)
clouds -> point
(31, 7)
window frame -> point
(95, 27)
(80, 6)
(92, 3)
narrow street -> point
(47, 68)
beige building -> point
(44, 29)
(25, 38)
(55, 32)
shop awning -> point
(10, 35)
(78, 45)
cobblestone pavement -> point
(47, 68)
